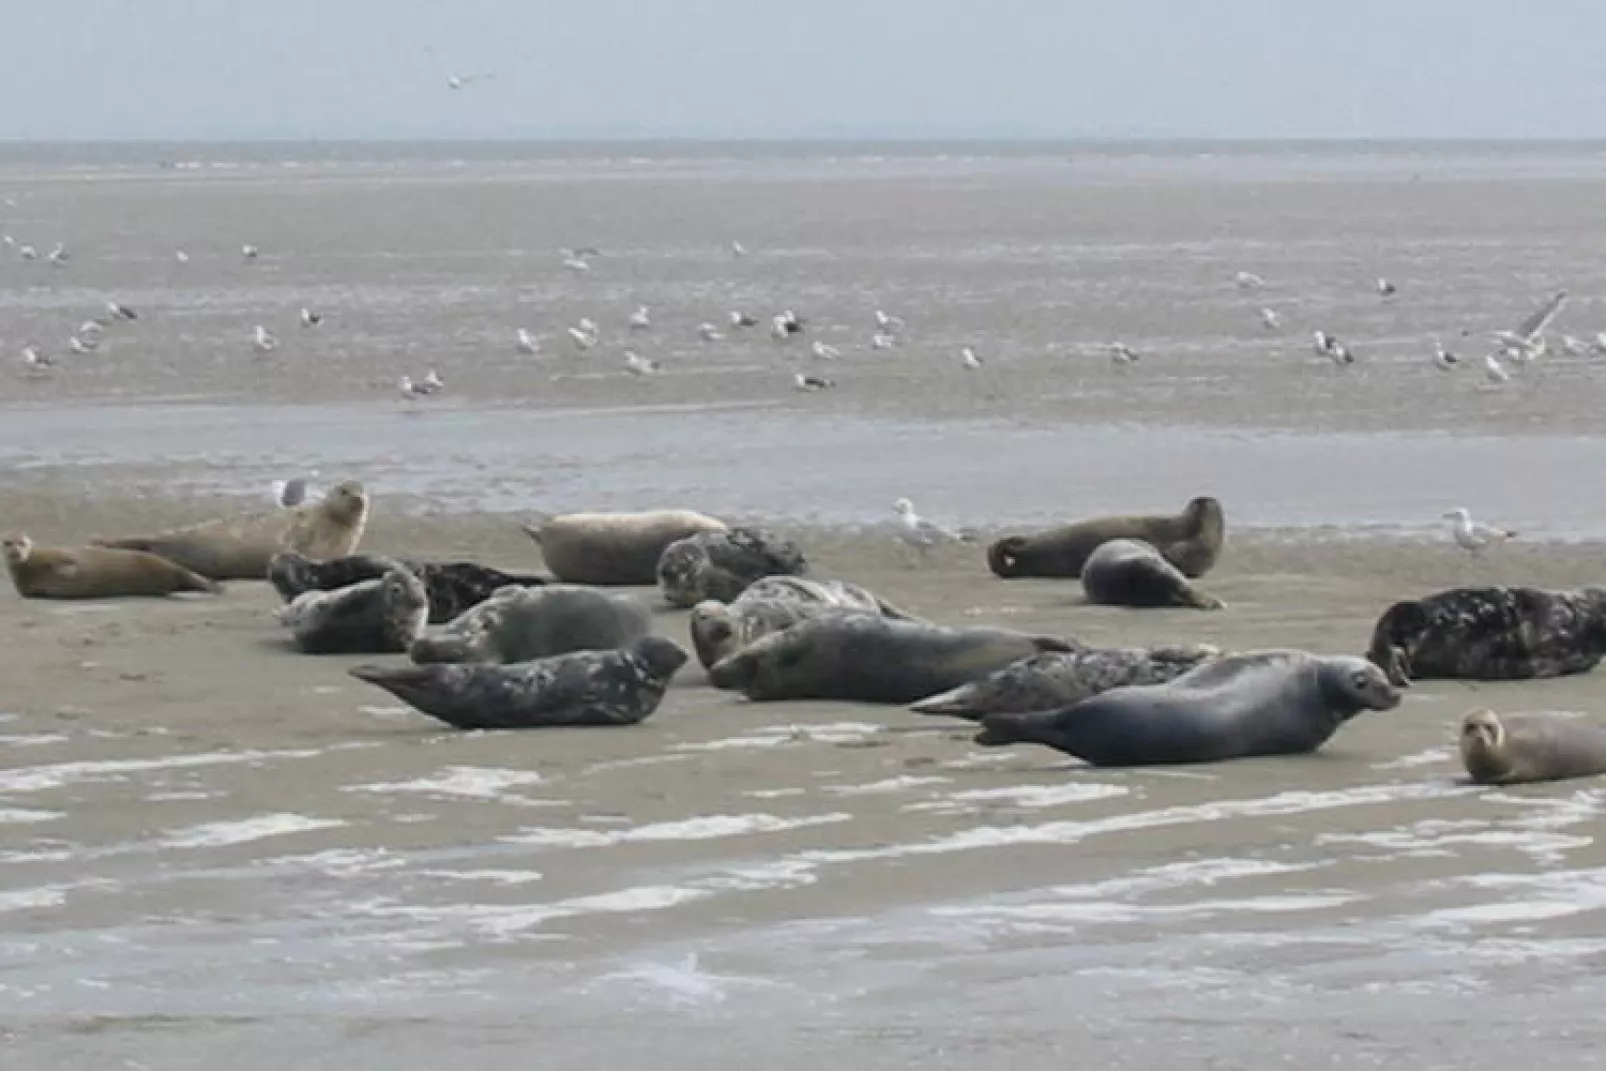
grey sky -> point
(97, 69)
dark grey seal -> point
(1191, 541)
(871, 659)
(619, 687)
(1491, 634)
(1257, 703)
(452, 586)
(518, 624)
(1054, 680)
(380, 616)
(721, 565)
(773, 604)
(1532, 747)
(1127, 572)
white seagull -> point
(811, 383)
(641, 319)
(883, 340)
(1270, 318)
(886, 322)
(248, 251)
(27, 252)
(824, 352)
(639, 366)
(1386, 288)
(917, 532)
(968, 358)
(461, 81)
(1443, 359)
(82, 345)
(578, 265)
(1494, 371)
(34, 359)
(310, 318)
(430, 384)
(1526, 341)
(708, 332)
(59, 255)
(1248, 280)
(181, 256)
(526, 343)
(583, 339)
(1472, 536)
(1329, 347)
(741, 319)
(264, 340)
(1574, 346)
(738, 249)
(122, 312)
(1122, 354)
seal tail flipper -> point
(1055, 644)
(406, 683)
(197, 582)
(1001, 730)
(955, 702)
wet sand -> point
(218, 850)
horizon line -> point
(811, 139)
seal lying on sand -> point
(1127, 572)
(1491, 634)
(1191, 541)
(1257, 703)
(93, 572)
(239, 548)
(453, 587)
(773, 604)
(1055, 680)
(720, 565)
(520, 624)
(871, 659)
(583, 688)
(1533, 747)
(614, 548)
(369, 617)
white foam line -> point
(39, 778)
(224, 834)
(494, 877)
(705, 827)
(1430, 757)
(32, 739)
(19, 815)
(464, 782)
(1033, 796)
(890, 785)
(1107, 911)
(776, 735)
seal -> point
(380, 616)
(1491, 634)
(871, 659)
(1533, 747)
(1127, 572)
(1054, 680)
(453, 587)
(519, 624)
(773, 604)
(720, 565)
(93, 572)
(239, 548)
(1279, 702)
(1191, 541)
(620, 687)
(614, 548)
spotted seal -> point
(720, 565)
(380, 616)
(453, 587)
(519, 624)
(773, 604)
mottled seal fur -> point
(519, 624)
(94, 572)
(1256, 703)
(380, 616)
(721, 565)
(1191, 541)
(871, 659)
(614, 548)
(453, 587)
(239, 548)
(619, 687)
(773, 604)
(1491, 634)
(1054, 680)
(1533, 747)
(1128, 572)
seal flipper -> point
(1001, 730)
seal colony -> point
(488, 649)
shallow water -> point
(216, 852)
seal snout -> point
(663, 657)
(734, 672)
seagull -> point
(310, 318)
(883, 340)
(578, 265)
(34, 359)
(27, 252)
(59, 255)
(639, 366)
(641, 319)
(1386, 288)
(122, 312)
(738, 249)
(432, 383)
(7, 241)
(917, 532)
(1471, 536)
(741, 319)
(181, 256)
(248, 251)
(786, 323)
(583, 340)
(968, 358)
(1270, 318)
(90, 329)
(1576, 347)
(1122, 354)
(887, 323)
(811, 383)
(1443, 359)
(264, 340)
(459, 81)
(708, 332)
(1329, 347)
(1599, 343)
(82, 345)
(289, 494)
(1494, 371)
(1531, 331)
(1248, 280)
(824, 352)
(526, 343)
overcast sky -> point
(109, 69)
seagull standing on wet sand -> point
(968, 358)
(887, 323)
(310, 318)
(264, 340)
(641, 319)
(248, 251)
(34, 359)
(824, 352)
(59, 255)
(121, 311)
(639, 366)
(1494, 371)
(1329, 347)
(708, 332)
(883, 340)
(1386, 288)
(1270, 318)
(430, 384)
(525, 343)
(1122, 354)
(741, 319)
(738, 249)
(1248, 280)
(1443, 359)
(1472, 536)
(811, 383)
(917, 532)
